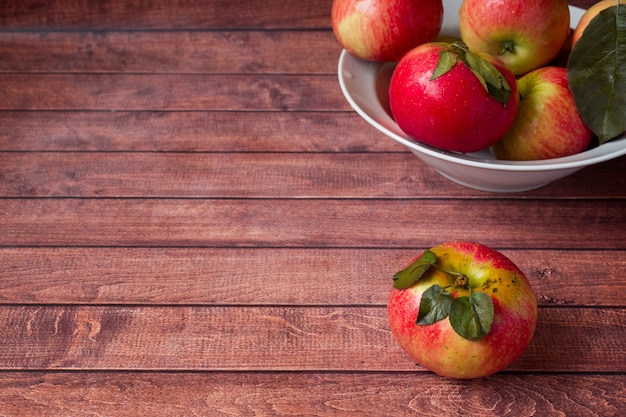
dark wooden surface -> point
(194, 222)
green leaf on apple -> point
(597, 73)
(447, 61)
(412, 273)
(434, 305)
(492, 80)
(471, 316)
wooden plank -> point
(260, 175)
(170, 92)
(161, 14)
(211, 175)
(320, 394)
(164, 14)
(300, 277)
(195, 52)
(311, 223)
(273, 338)
(190, 131)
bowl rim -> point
(609, 150)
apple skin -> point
(453, 112)
(384, 30)
(563, 56)
(536, 29)
(437, 346)
(590, 14)
(547, 124)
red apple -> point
(547, 124)
(590, 14)
(455, 109)
(525, 34)
(476, 310)
(560, 60)
(384, 30)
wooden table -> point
(194, 222)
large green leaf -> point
(597, 73)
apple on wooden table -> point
(547, 124)
(384, 30)
(462, 310)
(445, 96)
(525, 34)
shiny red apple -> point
(445, 96)
(470, 312)
(384, 30)
(525, 34)
(547, 124)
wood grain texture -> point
(184, 92)
(311, 394)
(164, 14)
(161, 14)
(310, 223)
(281, 175)
(196, 52)
(273, 338)
(274, 276)
(194, 222)
(190, 131)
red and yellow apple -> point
(384, 30)
(455, 110)
(470, 313)
(547, 124)
(590, 14)
(561, 59)
(525, 34)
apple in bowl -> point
(547, 124)
(525, 34)
(590, 14)
(365, 84)
(448, 97)
(384, 30)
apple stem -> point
(507, 47)
(460, 279)
(453, 273)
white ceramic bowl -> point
(364, 84)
